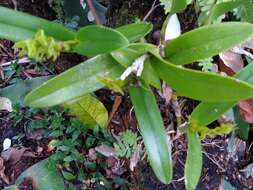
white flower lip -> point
(6, 144)
(173, 28)
(137, 67)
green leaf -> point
(17, 91)
(75, 82)
(31, 23)
(126, 56)
(199, 85)
(43, 177)
(153, 132)
(89, 110)
(243, 127)
(220, 9)
(193, 164)
(207, 112)
(174, 6)
(98, 39)
(14, 33)
(114, 85)
(12, 187)
(178, 6)
(135, 31)
(245, 11)
(207, 41)
(68, 175)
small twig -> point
(94, 12)
(214, 161)
(19, 61)
(115, 108)
(153, 7)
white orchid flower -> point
(173, 28)
(137, 67)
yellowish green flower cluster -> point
(42, 47)
(204, 131)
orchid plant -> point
(115, 55)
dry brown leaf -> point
(232, 60)
(115, 107)
(167, 93)
(246, 110)
(2, 174)
(36, 134)
(105, 150)
(13, 155)
(135, 158)
(248, 171)
(92, 155)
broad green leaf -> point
(243, 127)
(17, 92)
(32, 23)
(245, 11)
(89, 110)
(178, 6)
(149, 75)
(135, 31)
(174, 6)
(43, 177)
(220, 9)
(75, 82)
(126, 56)
(98, 39)
(207, 41)
(153, 132)
(14, 33)
(114, 85)
(199, 85)
(193, 164)
(207, 112)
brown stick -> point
(94, 12)
(153, 7)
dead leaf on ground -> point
(92, 155)
(36, 134)
(105, 150)
(248, 171)
(13, 155)
(2, 174)
(116, 165)
(115, 108)
(232, 60)
(135, 157)
(246, 110)
(167, 92)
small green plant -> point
(127, 144)
(117, 54)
